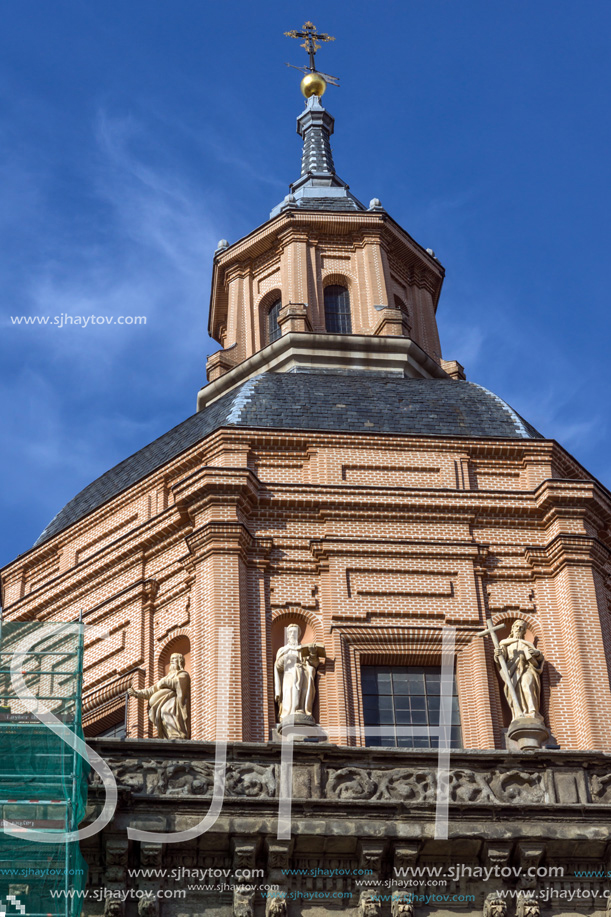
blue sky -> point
(134, 135)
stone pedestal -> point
(302, 727)
(528, 732)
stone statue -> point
(169, 701)
(524, 666)
(243, 901)
(528, 906)
(370, 904)
(495, 906)
(276, 903)
(113, 908)
(402, 903)
(294, 678)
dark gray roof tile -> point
(374, 403)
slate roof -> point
(343, 402)
(319, 187)
(329, 203)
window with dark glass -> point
(406, 696)
(116, 731)
(112, 725)
(273, 328)
(337, 310)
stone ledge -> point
(323, 352)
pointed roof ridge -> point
(319, 187)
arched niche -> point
(180, 644)
(309, 633)
(280, 624)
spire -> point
(319, 187)
(315, 125)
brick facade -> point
(371, 542)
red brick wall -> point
(372, 542)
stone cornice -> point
(327, 351)
(554, 794)
(567, 550)
(238, 485)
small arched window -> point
(337, 310)
(273, 328)
(401, 305)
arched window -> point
(337, 310)
(400, 304)
(273, 328)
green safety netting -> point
(43, 781)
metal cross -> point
(490, 631)
(311, 37)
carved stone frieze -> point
(419, 786)
(189, 778)
(600, 787)
(148, 906)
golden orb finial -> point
(313, 84)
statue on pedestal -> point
(520, 664)
(524, 666)
(169, 701)
(295, 678)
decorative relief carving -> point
(251, 780)
(600, 787)
(370, 904)
(276, 903)
(402, 904)
(494, 906)
(419, 786)
(491, 786)
(148, 906)
(190, 778)
(527, 906)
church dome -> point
(340, 402)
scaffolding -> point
(43, 780)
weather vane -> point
(314, 82)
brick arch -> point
(263, 306)
(510, 615)
(401, 304)
(307, 620)
(334, 277)
(180, 642)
